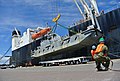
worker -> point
(93, 51)
(100, 55)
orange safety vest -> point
(99, 48)
(93, 52)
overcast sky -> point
(24, 14)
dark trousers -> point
(104, 60)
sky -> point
(23, 14)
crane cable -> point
(55, 19)
(67, 28)
(57, 24)
(5, 53)
(6, 61)
(56, 7)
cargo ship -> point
(41, 44)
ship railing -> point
(68, 61)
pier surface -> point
(81, 72)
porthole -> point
(75, 37)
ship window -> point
(43, 50)
(68, 41)
(54, 35)
(47, 48)
(52, 46)
(62, 43)
(49, 38)
(75, 37)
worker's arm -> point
(105, 50)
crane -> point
(80, 9)
(90, 12)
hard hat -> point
(101, 39)
(93, 47)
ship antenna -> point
(17, 32)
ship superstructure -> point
(29, 36)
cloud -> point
(68, 0)
(114, 2)
(101, 3)
(37, 2)
(34, 15)
(11, 2)
(107, 3)
(19, 19)
(25, 15)
(17, 22)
